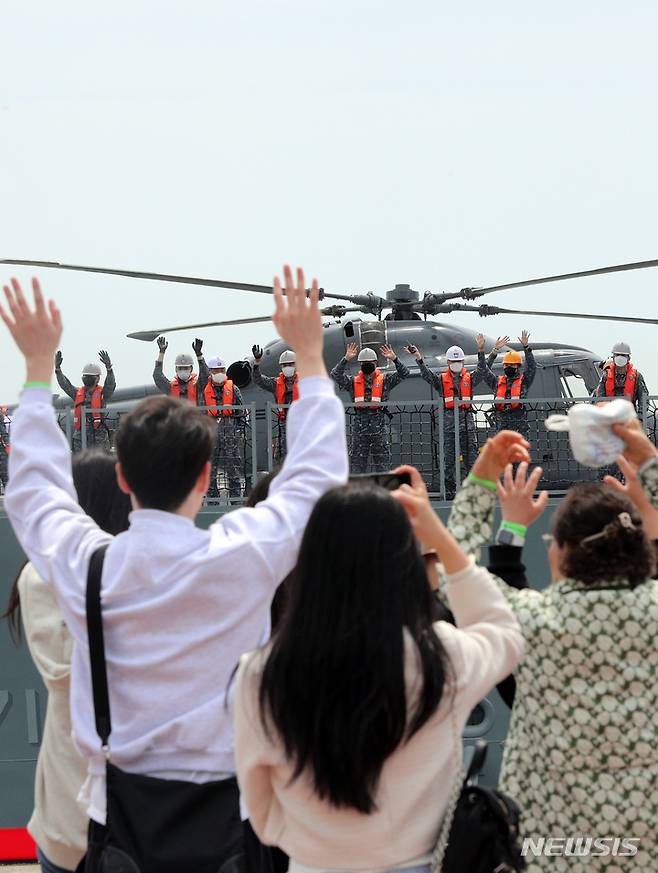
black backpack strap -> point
(97, 646)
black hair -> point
(620, 554)
(95, 481)
(333, 682)
(162, 446)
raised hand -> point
(639, 447)
(105, 359)
(516, 495)
(257, 352)
(480, 340)
(524, 339)
(633, 490)
(501, 342)
(298, 321)
(59, 357)
(197, 346)
(507, 447)
(351, 351)
(388, 352)
(426, 524)
(37, 334)
(163, 345)
(413, 350)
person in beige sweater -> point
(59, 824)
(348, 723)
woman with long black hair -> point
(58, 824)
(348, 723)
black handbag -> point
(480, 832)
(154, 825)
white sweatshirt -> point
(180, 604)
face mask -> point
(368, 367)
(183, 373)
(621, 360)
(88, 381)
(456, 366)
(288, 371)
(511, 372)
(218, 378)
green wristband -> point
(519, 529)
(486, 483)
(37, 385)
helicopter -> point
(403, 318)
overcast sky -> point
(442, 145)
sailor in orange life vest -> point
(285, 390)
(92, 395)
(621, 379)
(369, 389)
(218, 396)
(454, 385)
(512, 386)
(185, 384)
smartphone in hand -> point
(390, 481)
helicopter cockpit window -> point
(349, 329)
(573, 382)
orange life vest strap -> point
(376, 393)
(515, 393)
(280, 394)
(211, 399)
(630, 385)
(465, 389)
(96, 403)
(175, 389)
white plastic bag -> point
(590, 433)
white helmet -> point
(216, 363)
(621, 349)
(454, 353)
(287, 357)
(91, 370)
(184, 360)
(367, 355)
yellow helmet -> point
(512, 358)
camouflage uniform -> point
(226, 454)
(468, 441)
(4, 446)
(511, 419)
(165, 385)
(370, 434)
(268, 383)
(99, 437)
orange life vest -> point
(211, 399)
(630, 384)
(376, 392)
(464, 389)
(191, 388)
(280, 394)
(515, 393)
(96, 403)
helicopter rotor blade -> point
(149, 336)
(474, 293)
(485, 311)
(163, 277)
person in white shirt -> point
(180, 604)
